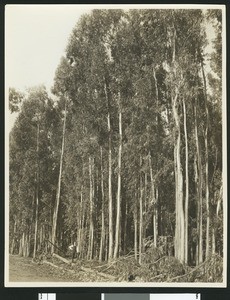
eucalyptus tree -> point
(214, 103)
(89, 48)
(183, 81)
(30, 158)
(137, 86)
(61, 84)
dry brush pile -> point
(154, 267)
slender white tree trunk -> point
(102, 241)
(179, 229)
(135, 234)
(14, 234)
(117, 233)
(55, 213)
(140, 220)
(91, 196)
(110, 252)
(153, 199)
(186, 183)
(207, 252)
(36, 195)
(199, 194)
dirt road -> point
(24, 270)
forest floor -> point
(123, 269)
(22, 269)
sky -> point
(36, 38)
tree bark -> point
(102, 241)
(36, 194)
(145, 205)
(91, 196)
(80, 221)
(82, 225)
(179, 229)
(141, 220)
(186, 184)
(125, 228)
(13, 240)
(55, 213)
(199, 193)
(217, 215)
(207, 252)
(117, 233)
(110, 254)
(135, 233)
(153, 198)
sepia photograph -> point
(116, 160)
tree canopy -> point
(128, 157)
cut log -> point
(57, 267)
(107, 276)
(52, 265)
(61, 258)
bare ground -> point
(22, 269)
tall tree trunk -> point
(140, 219)
(157, 151)
(145, 205)
(26, 254)
(91, 196)
(153, 198)
(117, 234)
(110, 254)
(220, 197)
(135, 232)
(22, 243)
(102, 241)
(213, 241)
(55, 213)
(207, 252)
(13, 240)
(82, 225)
(80, 220)
(125, 228)
(186, 184)
(36, 194)
(179, 229)
(199, 193)
(20, 246)
(28, 242)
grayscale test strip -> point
(47, 296)
(136, 296)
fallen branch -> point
(155, 277)
(83, 268)
(158, 260)
(192, 271)
(55, 246)
(110, 264)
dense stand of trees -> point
(128, 150)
